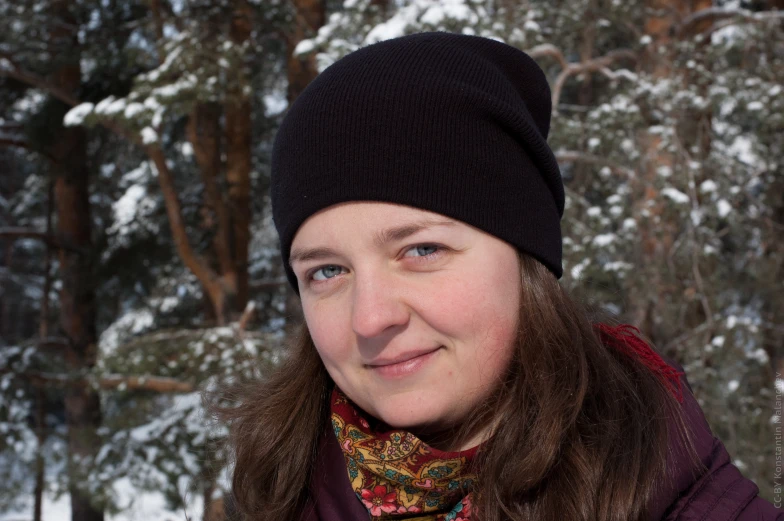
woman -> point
(442, 373)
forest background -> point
(139, 264)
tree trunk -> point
(238, 152)
(40, 396)
(203, 131)
(657, 238)
(77, 312)
(301, 71)
(77, 297)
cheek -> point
(481, 315)
(328, 334)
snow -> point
(275, 103)
(76, 115)
(133, 110)
(101, 106)
(733, 385)
(604, 239)
(133, 322)
(617, 266)
(392, 28)
(114, 107)
(732, 321)
(153, 104)
(754, 105)
(532, 26)
(151, 506)
(126, 207)
(52, 509)
(186, 149)
(723, 207)
(138, 175)
(741, 148)
(304, 47)
(578, 269)
(149, 136)
(675, 195)
(169, 303)
(726, 36)
(760, 355)
(451, 9)
(708, 186)
(134, 505)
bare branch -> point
(30, 233)
(12, 140)
(193, 261)
(594, 65)
(247, 316)
(567, 156)
(548, 49)
(34, 80)
(714, 14)
(53, 343)
(157, 384)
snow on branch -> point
(600, 65)
(568, 156)
(551, 50)
(713, 14)
(157, 384)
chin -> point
(408, 416)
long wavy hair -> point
(584, 436)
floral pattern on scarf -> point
(396, 475)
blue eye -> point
(426, 252)
(326, 269)
(421, 247)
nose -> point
(378, 305)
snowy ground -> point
(138, 507)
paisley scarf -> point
(397, 476)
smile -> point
(406, 367)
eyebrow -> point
(380, 240)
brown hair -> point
(585, 434)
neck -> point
(454, 439)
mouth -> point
(408, 365)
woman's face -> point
(413, 314)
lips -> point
(381, 362)
(410, 364)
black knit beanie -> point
(449, 123)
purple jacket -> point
(720, 494)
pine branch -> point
(159, 384)
(30, 233)
(572, 156)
